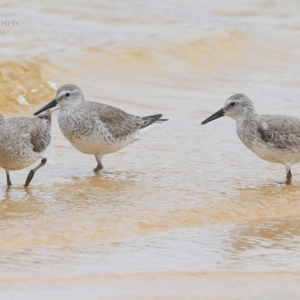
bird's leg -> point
(32, 172)
(288, 175)
(99, 164)
(8, 178)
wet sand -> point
(187, 212)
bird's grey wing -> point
(38, 129)
(282, 132)
(40, 137)
(118, 122)
(40, 132)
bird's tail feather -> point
(148, 120)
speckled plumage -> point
(275, 138)
(95, 128)
(23, 141)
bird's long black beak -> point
(220, 113)
(51, 104)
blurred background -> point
(187, 212)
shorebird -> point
(95, 128)
(22, 142)
(275, 138)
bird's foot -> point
(98, 168)
(288, 181)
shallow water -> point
(187, 212)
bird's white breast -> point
(276, 157)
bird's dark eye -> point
(232, 103)
(67, 94)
